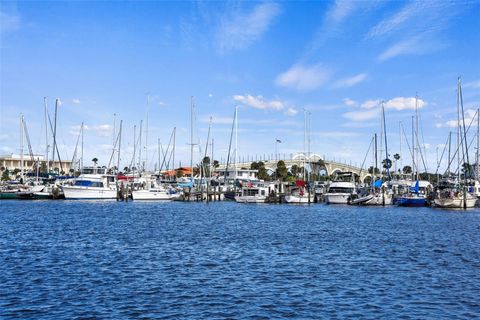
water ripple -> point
(87, 260)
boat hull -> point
(153, 195)
(337, 198)
(250, 199)
(88, 193)
(412, 202)
(297, 199)
(456, 203)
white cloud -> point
(470, 116)
(404, 103)
(351, 81)
(417, 27)
(372, 108)
(210, 95)
(291, 112)
(104, 130)
(75, 130)
(76, 101)
(241, 30)
(473, 84)
(349, 102)
(369, 104)
(303, 78)
(259, 102)
(362, 115)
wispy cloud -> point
(470, 116)
(291, 112)
(350, 81)
(339, 11)
(259, 102)
(239, 30)
(362, 115)
(76, 101)
(303, 77)
(416, 27)
(370, 109)
(417, 45)
(349, 102)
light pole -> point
(277, 141)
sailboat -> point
(301, 194)
(450, 193)
(417, 195)
(381, 193)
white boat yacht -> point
(156, 191)
(342, 190)
(255, 193)
(450, 195)
(94, 183)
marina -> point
(239, 159)
(62, 259)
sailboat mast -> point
(21, 146)
(304, 141)
(478, 141)
(81, 160)
(119, 145)
(146, 131)
(54, 133)
(416, 132)
(46, 133)
(140, 146)
(173, 156)
(236, 140)
(413, 150)
(191, 138)
(376, 160)
(458, 130)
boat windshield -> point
(340, 190)
(88, 183)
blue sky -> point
(335, 59)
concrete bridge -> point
(314, 163)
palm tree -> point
(95, 161)
(396, 156)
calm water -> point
(61, 259)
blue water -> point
(109, 260)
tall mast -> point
(21, 145)
(236, 140)
(46, 132)
(173, 156)
(304, 140)
(458, 130)
(146, 132)
(140, 146)
(478, 141)
(119, 145)
(191, 137)
(386, 145)
(449, 151)
(81, 161)
(401, 155)
(416, 132)
(465, 151)
(54, 133)
(413, 150)
(376, 160)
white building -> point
(14, 161)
